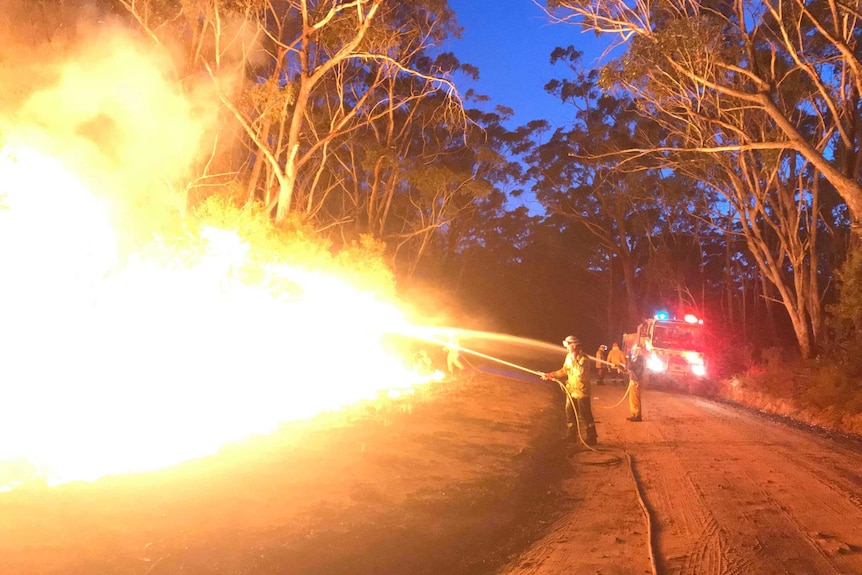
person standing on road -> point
(576, 369)
(600, 364)
(636, 373)
(618, 358)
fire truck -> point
(671, 347)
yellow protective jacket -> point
(576, 370)
(616, 356)
(600, 355)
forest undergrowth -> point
(822, 393)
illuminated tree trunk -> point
(286, 185)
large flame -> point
(117, 360)
(114, 366)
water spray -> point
(514, 365)
(495, 359)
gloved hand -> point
(544, 376)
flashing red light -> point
(690, 318)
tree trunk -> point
(815, 305)
(286, 186)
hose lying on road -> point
(622, 399)
(611, 461)
(647, 516)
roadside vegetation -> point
(825, 391)
(824, 396)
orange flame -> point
(119, 359)
(117, 366)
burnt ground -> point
(458, 478)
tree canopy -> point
(711, 166)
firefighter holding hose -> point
(576, 370)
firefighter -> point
(618, 358)
(600, 364)
(576, 369)
(635, 368)
(453, 354)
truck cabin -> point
(673, 335)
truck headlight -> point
(654, 363)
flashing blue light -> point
(661, 315)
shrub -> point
(773, 377)
(830, 387)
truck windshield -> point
(681, 336)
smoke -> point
(81, 86)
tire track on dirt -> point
(716, 512)
(690, 539)
(811, 515)
(807, 463)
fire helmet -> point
(571, 340)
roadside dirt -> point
(467, 477)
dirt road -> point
(726, 491)
(467, 477)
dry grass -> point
(820, 394)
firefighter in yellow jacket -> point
(576, 369)
(636, 374)
(618, 358)
(453, 354)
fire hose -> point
(541, 374)
(614, 460)
(628, 388)
(569, 401)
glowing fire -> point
(118, 355)
(122, 364)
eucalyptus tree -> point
(459, 185)
(415, 178)
(769, 197)
(686, 268)
(312, 73)
(774, 201)
(577, 176)
(344, 63)
(783, 58)
(769, 91)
